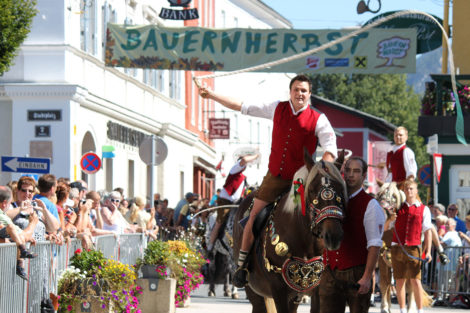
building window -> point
(88, 27)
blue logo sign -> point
(332, 62)
(26, 165)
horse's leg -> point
(411, 303)
(256, 301)
(227, 291)
(315, 301)
(283, 304)
(385, 285)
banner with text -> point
(207, 49)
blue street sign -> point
(26, 165)
(424, 175)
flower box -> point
(158, 295)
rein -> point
(404, 250)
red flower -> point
(78, 251)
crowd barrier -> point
(444, 281)
(19, 296)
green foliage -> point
(16, 17)
(156, 253)
(88, 262)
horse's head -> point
(390, 197)
(326, 198)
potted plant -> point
(93, 283)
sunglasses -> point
(27, 190)
(115, 200)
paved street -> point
(201, 303)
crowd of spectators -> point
(56, 210)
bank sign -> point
(206, 49)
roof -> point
(373, 122)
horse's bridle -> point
(326, 193)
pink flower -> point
(78, 251)
(69, 307)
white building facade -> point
(83, 105)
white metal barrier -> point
(19, 296)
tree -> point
(16, 17)
(385, 95)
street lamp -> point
(363, 7)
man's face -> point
(96, 204)
(299, 93)
(400, 137)
(452, 211)
(353, 174)
(411, 192)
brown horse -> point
(286, 259)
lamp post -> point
(444, 42)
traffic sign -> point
(26, 165)
(145, 151)
(424, 175)
(90, 163)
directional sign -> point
(26, 165)
(424, 175)
(90, 163)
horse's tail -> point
(270, 305)
(427, 299)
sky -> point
(336, 14)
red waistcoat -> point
(290, 134)
(396, 165)
(233, 182)
(353, 250)
(409, 225)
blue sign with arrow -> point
(26, 165)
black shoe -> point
(21, 273)
(25, 254)
(240, 277)
(443, 258)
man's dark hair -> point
(301, 78)
(46, 182)
(360, 160)
(5, 193)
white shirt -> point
(237, 168)
(374, 220)
(323, 130)
(452, 239)
(409, 162)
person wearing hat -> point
(182, 211)
(230, 193)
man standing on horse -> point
(295, 125)
(231, 192)
(401, 163)
(413, 218)
(347, 278)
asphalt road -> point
(201, 303)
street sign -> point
(424, 175)
(145, 151)
(437, 157)
(433, 144)
(429, 34)
(242, 151)
(219, 128)
(90, 163)
(26, 165)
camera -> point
(34, 204)
(82, 201)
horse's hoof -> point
(235, 296)
(227, 293)
(211, 293)
(240, 277)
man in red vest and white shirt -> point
(347, 278)
(231, 192)
(413, 218)
(295, 125)
(401, 163)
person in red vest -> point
(347, 278)
(295, 125)
(413, 218)
(230, 193)
(401, 163)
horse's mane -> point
(303, 173)
(390, 190)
